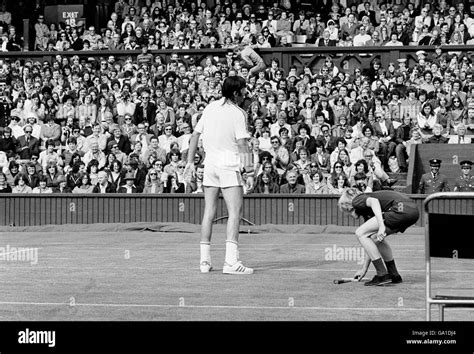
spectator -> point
(27, 144)
(437, 138)
(266, 185)
(461, 137)
(154, 182)
(42, 186)
(42, 34)
(338, 183)
(251, 58)
(173, 185)
(52, 174)
(292, 186)
(29, 171)
(129, 186)
(103, 185)
(402, 137)
(62, 187)
(386, 134)
(49, 155)
(316, 184)
(15, 42)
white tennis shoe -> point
(206, 267)
(237, 268)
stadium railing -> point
(346, 58)
(448, 229)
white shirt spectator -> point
(165, 141)
(3, 162)
(361, 39)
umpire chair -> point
(449, 221)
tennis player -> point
(385, 212)
(225, 140)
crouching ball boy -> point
(385, 213)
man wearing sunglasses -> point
(27, 144)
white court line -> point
(261, 270)
(14, 303)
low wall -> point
(31, 210)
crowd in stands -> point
(181, 25)
(79, 124)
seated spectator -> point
(27, 144)
(42, 186)
(458, 115)
(74, 174)
(361, 182)
(21, 185)
(403, 135)
(103, 185)
(266, 185)
(53, 174)
(264, 140)
(386, 134)
(437, 138)
(461, 137)
(362, 166)
(338, 184)
(426, 119)
(154, 179)
(292, 186)
(62, 186)
(316, 184)
(321, 158)
(281, 157)
(50, 156)
(303, 161)
(32, 176)
(172, 185)
(15, 42)
(129, 186)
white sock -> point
(231, 252)
(205, 252)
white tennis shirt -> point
(220, 126)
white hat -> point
(420, 52)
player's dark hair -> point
(232, 85)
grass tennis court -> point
(119, 273)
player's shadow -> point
(307, 264)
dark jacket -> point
(296, 189)
(65, 190)
(124, 190)
(150, 113)
(26, 149)
(109, 189)
(123, 144)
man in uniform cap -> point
(433, 181)
(465, 182)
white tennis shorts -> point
(218, 177)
